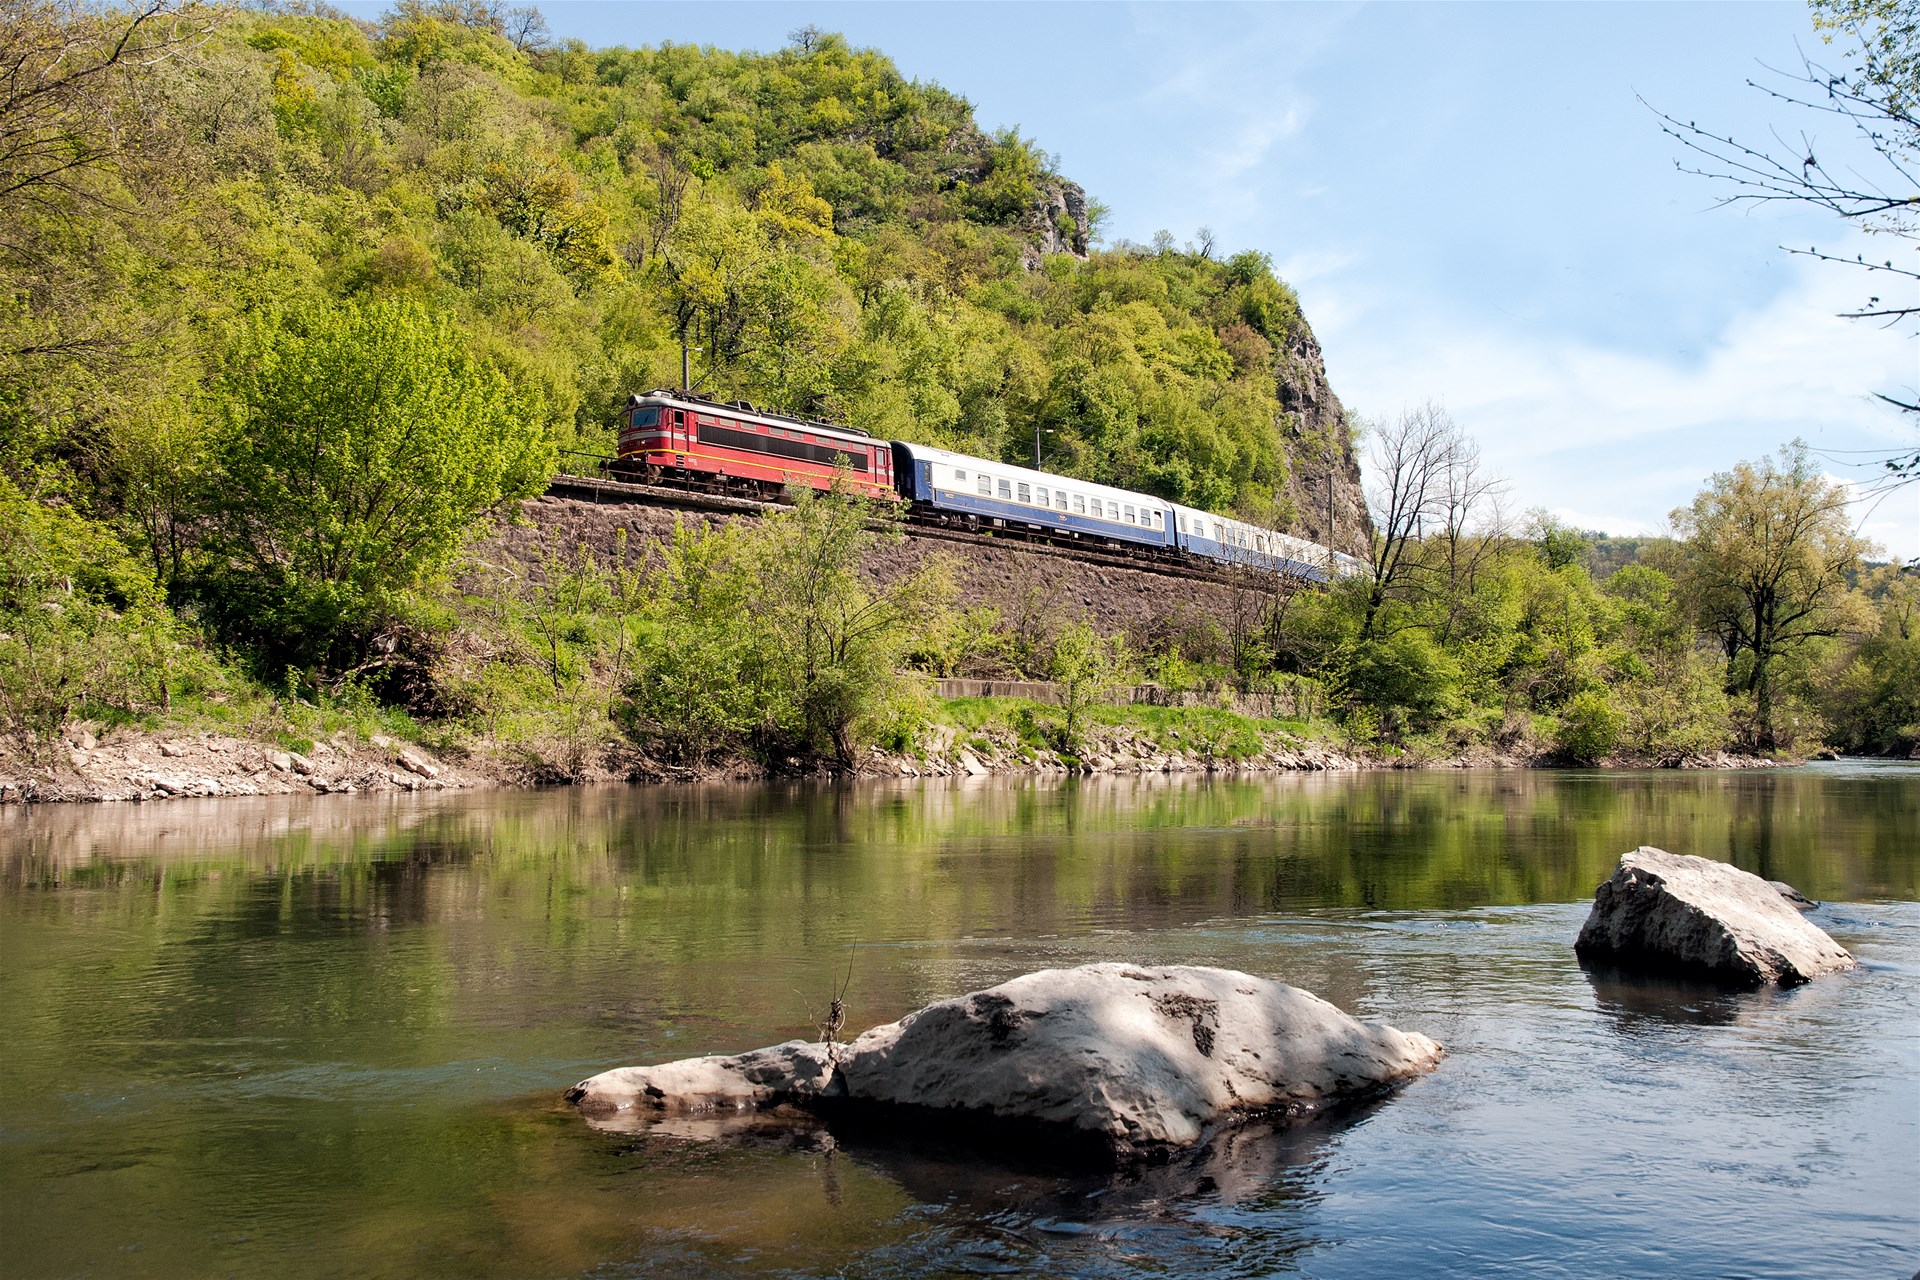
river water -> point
(329, 1037)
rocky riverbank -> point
(98, 764)
(91, 763)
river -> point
(328, 1037)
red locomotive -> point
(668, 435)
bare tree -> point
(525, 28)
(1866, 172)
(1415, 466)
(1472, 522)
(1866, 177)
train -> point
(732, 447)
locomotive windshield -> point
(646, 417)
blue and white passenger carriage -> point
(975, 490)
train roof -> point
(929, 453)
(743, 410)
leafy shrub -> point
(1590, 727)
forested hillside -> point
(825, 235)
(296, 307)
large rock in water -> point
(1135, 1059)
(1672, 913)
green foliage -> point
(548, 651)
(1010, 185)
(1590, 727)
(1085, 665)
(766, 639)
(83, 632)
(314, 301)
(360, 448)
(1871, 695)
(1769, 550)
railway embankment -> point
(1031, 584)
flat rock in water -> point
(1673, 913)
(1137, 1059)
(792, 1072)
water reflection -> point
(327, 1036)
(1631, 999)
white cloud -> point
(1627, 435)
(1316, 264)
(1247, 146)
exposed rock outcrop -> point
(1676, 914)
(1323, 480)
(1058, 221)
(1134, 1060)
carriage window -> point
(1006, 488)
(1059, 500)
(1079, 505)
(1040, 495)
(986, 484)
(1156, 519)
(1026, 494)
(1129, 516)
(959, 474)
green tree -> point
(836, 644)
(361, 447)
(1769, 550)
(1871, 696)
(82, 627)
(1086, 665)
(700, 685)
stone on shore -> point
(1676, 914)
(1136, 1059)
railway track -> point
(927, 526)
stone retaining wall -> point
(1035, 591)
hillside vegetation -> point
(295, 306)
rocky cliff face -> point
(1058, 221)
(1324, 483)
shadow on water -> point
(980, 1163)
(1633, 999)
(1006, 1202)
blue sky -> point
(1470, 199)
